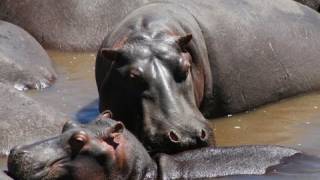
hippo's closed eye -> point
(77, 141)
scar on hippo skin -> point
(104, 149)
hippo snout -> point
(178, 138)
(201, 137)
(17, 160)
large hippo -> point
(24, 120)
(104, 149)
(23, 62)
(67, 25)
(314, 4)
(168, 62)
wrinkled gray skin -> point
(314, 4)
(67, 25)
(23, 62)
(24, 120)
(105, 150)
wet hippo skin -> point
(23, 62)
(159, 71)
(104, 149)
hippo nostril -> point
(203, 135)
(173, 136)
(77, 141)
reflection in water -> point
(294, 122)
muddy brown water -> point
(293, 122)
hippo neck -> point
(169, 19)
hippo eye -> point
(136, 81)
(135, 73)
(77, 141)
(182, 70)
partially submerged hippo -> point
(168, 62)
(104, 149)
(23, 62)
(314, 4)
(24, 120)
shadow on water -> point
(88, 112)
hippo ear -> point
(69, 125)
(118, 127)
(111, 54)
(184, 40)
(106, 114)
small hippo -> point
(23, 62)
(168, 65)
(104, 149)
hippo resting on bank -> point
(314, 4)
(23, 62)
(24, 120)
(167, 63)
(104, 149)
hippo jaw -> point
(75, 154)
(150, 89)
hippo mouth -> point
(52, 170)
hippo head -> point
(102, 150)
(150, 88)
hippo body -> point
(23, 62)
(67, 25)
(168, 61)
(314, 4)
(24, 120)
(103, 149)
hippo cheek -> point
(84, 168)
